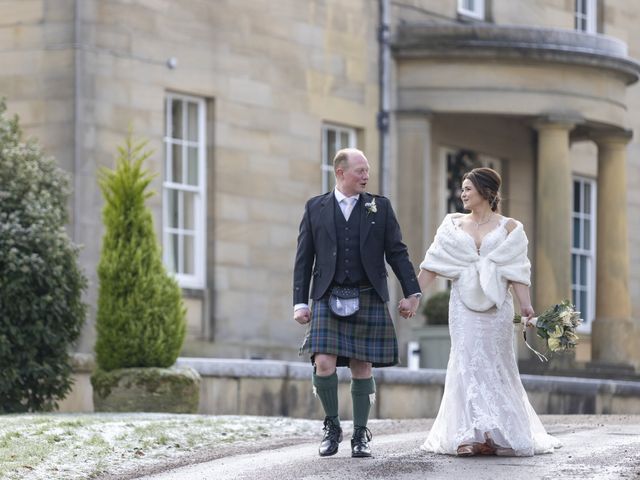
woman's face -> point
(471, 198)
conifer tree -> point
(141, 317)
(41, 285)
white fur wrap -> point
(482, 280)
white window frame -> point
(327, 163)
(471, 8)
(586, 11)
(589, 253)
(197, 278)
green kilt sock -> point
(326, 389)
(363, 395)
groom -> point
(345, 237)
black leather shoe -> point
(331, 440)
(360, 442)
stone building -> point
(244, 103)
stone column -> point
(553, 214)
(613, 328)
(413, 174)
(413, 178)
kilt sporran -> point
(344, 301)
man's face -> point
(354, 177)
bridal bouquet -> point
(557, 326)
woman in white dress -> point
(484, 409)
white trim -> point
(199, 191)
(589, 253)
(476, 11)
(586, 11)
(326, 165)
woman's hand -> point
(527, 313)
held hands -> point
(407, 306)
(302, 315)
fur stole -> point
(482, 280)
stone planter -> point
(173, 390)
(435, 344)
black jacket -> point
(380, 239)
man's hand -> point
(408, 306)
(302, 315)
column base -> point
(613, 342)
(612, 370)
(606, 371)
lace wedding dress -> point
(483, 394)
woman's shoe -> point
(466, 450)
(486, 449)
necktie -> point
(349, 203)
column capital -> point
(611, 137)
(557, 121)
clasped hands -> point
(407, 306)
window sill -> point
(469, 17)
(192, 292)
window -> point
(583, 249)
(459, 162)
(586, 16)
(471, 8)
(184, 189)
(333, 139)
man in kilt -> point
(345, 236)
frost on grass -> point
(65, 446)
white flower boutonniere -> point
(371, 206)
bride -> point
(484, 409)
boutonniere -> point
(371, 206)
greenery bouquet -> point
(557, 326)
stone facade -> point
(80, 72)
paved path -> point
(595, 447)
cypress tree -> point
(141, 317)
(41, 285)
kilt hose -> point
(368, 335)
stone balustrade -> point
(266, 387)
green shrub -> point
(436, 309)
(41, 309)
(141, 318)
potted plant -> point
(140, 317)
(433, 336)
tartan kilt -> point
(368, 335)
